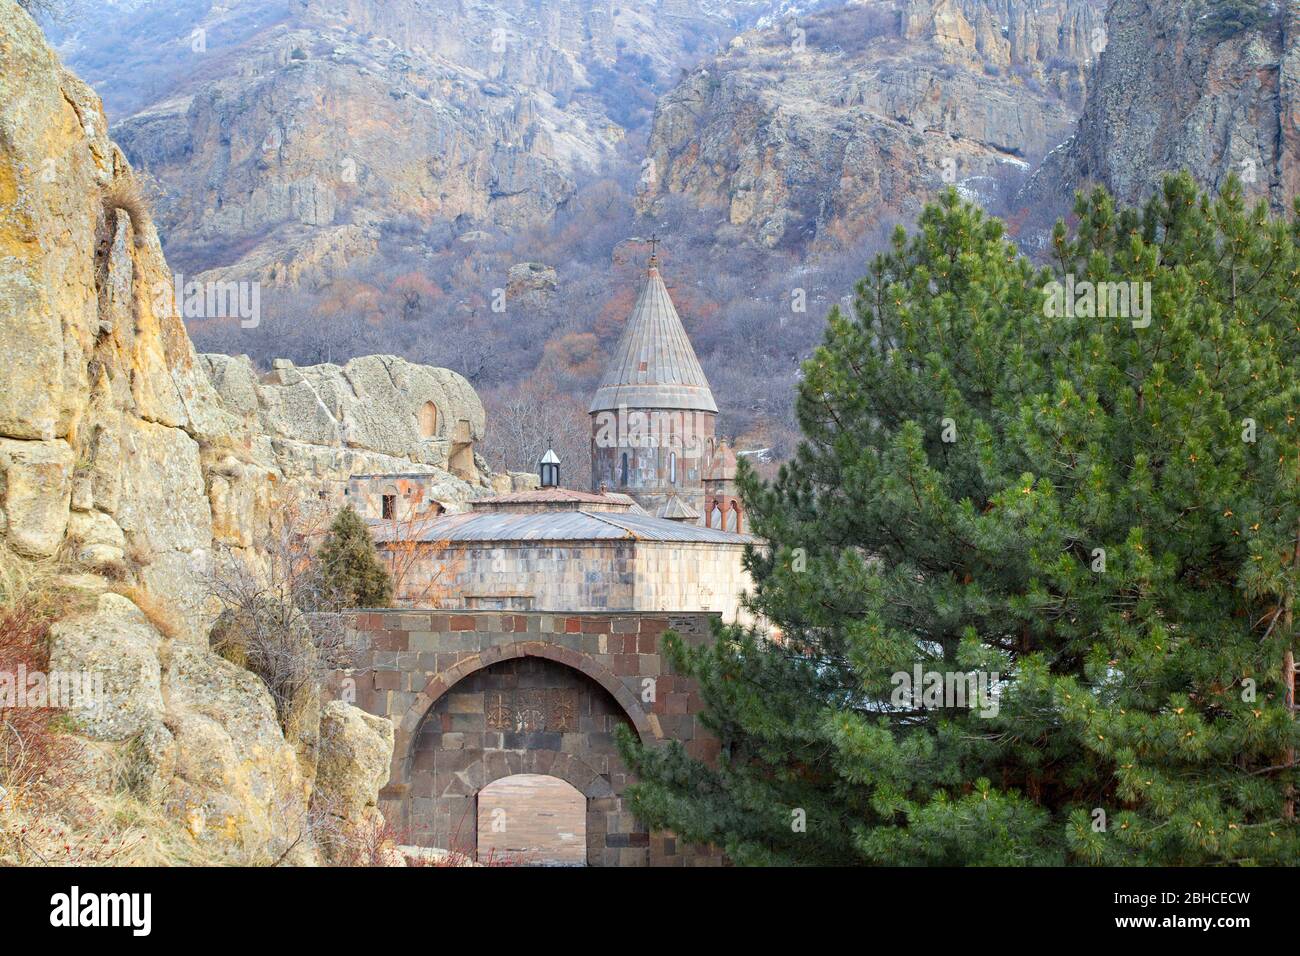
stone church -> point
(661, 528)
(654, 421)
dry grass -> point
(161, 617)
(28, 584)
(47, 808)
(126, 196)
(54, 808)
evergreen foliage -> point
(351, 572)
(1141, 717)
(1227, 18)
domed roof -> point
(654, 365)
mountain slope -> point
(817, 131)
(1182, 86)
(286, 135)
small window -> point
(389, 506)
(672, 467)
(622, 474)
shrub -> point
(271, 639)
(1227, 18)
(352, 573)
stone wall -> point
(668, 454)
(692, 577)
(478, 696)
(625, 575)
(419, 495)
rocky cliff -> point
(286, 138)
(1180, 86)
(815, 131)
(127, 461)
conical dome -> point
(654, 365)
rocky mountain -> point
(285, 136)
(816, 131)
(133, 470)
(1210, 87)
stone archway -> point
(499, 715)
(449, 677)
(410, 663)
(603, 809)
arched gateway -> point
(483, 696)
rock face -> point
(356, 750)
(1175, 91)
(820, 129)
(125, 454)
(276, 156)
(118, 643)
(531, 282)
(389, 411)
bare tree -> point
(421, 571)
(53, 10)
(524, 421)
(264, 627)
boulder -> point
(238, 783)
(356, 752)
(118, 647)
(98, 541)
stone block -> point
(423, 641)
(464, 703)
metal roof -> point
(675, 509)
(547, 495)
(654, 365)
(555, 526)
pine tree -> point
(1227, 18)
(1103, 511)
(351, 573)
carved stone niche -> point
(532, 710)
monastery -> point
(660, 528)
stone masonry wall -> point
(478, 696)
(578, 576)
